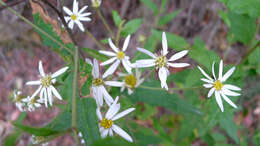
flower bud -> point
(96, 3)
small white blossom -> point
(106, 124)
(96, 3)
(118, 56)
(46, 88)
(18, 100)
(98, 89)
(76, 16)
(161, 62)
(38, 139)
(82, 141)
(131, 81)
(217, 85)
(33, 103)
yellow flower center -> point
(218, 85)
(161, 61)
(106, 123)
(38, 139)
(33, 101)
(120, 55)
(18, 98)
(73, 17)
(97, 82)
(46, 81)
(130, 80)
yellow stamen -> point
(106, 123)
(161, 61)
(39, 139)
(46, 81)
(120, 55)
(130, 80)
(73, 17)
(218, 85)
(97, 82)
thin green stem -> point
(119, 32)
(36, 27)
(172, 89)
(74, 94)
(105, 22)
(249, 52)
(95, 40)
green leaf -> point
(151, 5)
(85, 89)
(250, 7)
(87, 119)
(224, 17)
(62, 122)
(131, 26)
(202, 55)
(242, 27)
(145, 136)
(162, 98)
(12, 139)
(175, 42)
(94, 54)
(36, 131)
(116, 18)
(112, 141)
(168, 17)
(227, 123)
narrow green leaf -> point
(224, 17)
(168, 17)
(227, 123)
(87, 120)
(60, 123)
(112, 141)
(12, 139)
(131, 26)
(116, 18)
(151, 5)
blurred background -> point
(21, 49)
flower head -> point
(18, 100)
(161, 62)
(96, 3)
(46, 88)
(33, 103)
(117, 57)
(99, 83)
(38, 139)
(107, 123)
(218, 87)
(131, 81)
(76, 16)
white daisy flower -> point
(18, 100)
(76, 16)
(217, 85)
(161, 61)
(82, 141)
(46, 88)
(33, 103)
(38, 139)
(131, 81)
(96, 3)
(117, 57)
(106, 124)
(98, 83)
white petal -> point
(211, 91)
(68, 11)
(100, 95)
(106, 95)
(75, 7)
(163, 77)
(71, 24)
(49, 96)
(109, 61)
(82, 10)
(80, 18)
(178, 55)
(229, 93)
(80, 25)
(110, 132)
(104, 133)
(177, 65)
(85, 15)
(41, 69)
(126, 42)
(45, 97)
(146, 52)
(33, 82)
(107, 53)
(41, 94)
(89, 61)
(220, 70)
(127, 66)
(206, 80)
(164, 44)
(99, 115)
(59, 72)
(145, 63)
(55, 92)
(122, 114)
(219, 101)
(112, 45)
(228, 100)
(114, 83)
(231, 87)
(67, 18)
(95, 71)
(207, 85)
(204, 73)
(113, 109)
(213, 70)
(228, 74)
(36, 92)
(122, 133)
(111, 69)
